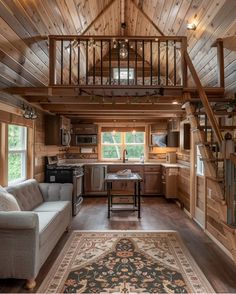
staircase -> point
(211, 160)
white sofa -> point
(28, 236)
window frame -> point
(115, 72)
(122, 146)
(22, 151)
(200, 170)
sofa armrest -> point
(18, 220)
(19, 245)
(56, 191)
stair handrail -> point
(204, 99)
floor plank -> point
(157, 214)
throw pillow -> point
(7, 201)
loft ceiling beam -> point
(98, 17)
(108, 107)
(147, 17)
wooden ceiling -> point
(25, 26)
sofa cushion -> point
(48, 224)
(27, 194)
(52, 206)
(7, 201)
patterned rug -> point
(125, 262)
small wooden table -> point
(136, 179)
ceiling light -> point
(123, 50)
(175, 102)
(191, 26)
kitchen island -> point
(133, 178)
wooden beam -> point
(204, 99)
(52, 61)
(112, 108)
(148, 18)
(98, 16)
(220, 63)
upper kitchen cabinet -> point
(85, 129)
(185, 134)
(57, 130)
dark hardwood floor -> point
(157, 214)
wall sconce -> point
(191, 26)
(114, 130)
(29, 112)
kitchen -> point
(150, 150)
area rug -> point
(125, 262)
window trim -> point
(24, 151)
(123, 146)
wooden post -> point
(184, 67)
(220, 63)
(52, 61)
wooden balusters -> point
(167, 63)
(128, 60)
(118, 58)
(143, 60)
(62, 51)
(110, 73)
(159, 63)
(101, 63)
(175, 76)
(94, 64)
(136, 63)
(70, 57)
(52, 62)
(86, 70)
(151, 62)
(78, 66)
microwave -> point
(86, 139)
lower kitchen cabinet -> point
(169, 182)
(152, 180)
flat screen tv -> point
(159, 140)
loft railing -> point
(105, 61)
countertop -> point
(164, 164)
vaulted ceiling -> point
(26, 24)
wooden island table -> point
(136, 179)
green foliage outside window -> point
(113, 144)
(16, 152)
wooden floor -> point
(157, 214)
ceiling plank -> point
(148, 18)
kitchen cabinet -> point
(55, 128)
(85, 129)
(169, 182)
(152, 180)
(94, 176)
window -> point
(113, 145)
(17, 153)
(200, 164)
(123, 73)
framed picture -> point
(159, 139)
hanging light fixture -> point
(114, 130)
(29, 112)
(134, 131)
(123, 50)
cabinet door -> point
(97, 180)
(152, 183)
(87, 179)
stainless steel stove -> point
(62, 172)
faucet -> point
(124, 153)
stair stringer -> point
(210, 170)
